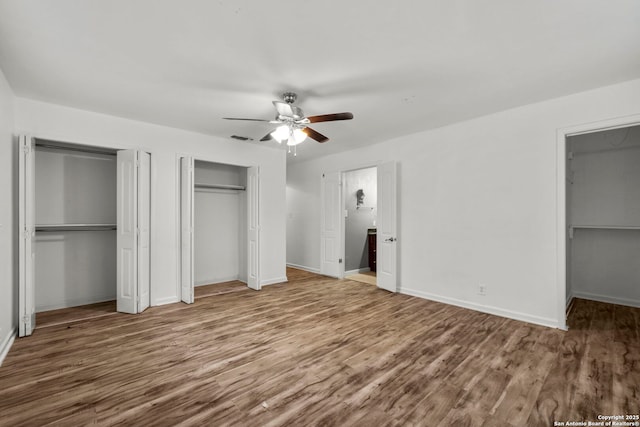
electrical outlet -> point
(482, 289)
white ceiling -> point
(400, 67)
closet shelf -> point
(220, 186)
(75, 227)
(601, 227)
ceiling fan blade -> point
(315, 135)
(283, 108)
(251, 120)
(330, 117)
(267, 137)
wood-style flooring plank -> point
(320, 351)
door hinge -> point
(339, 260)
(26, 319)
(570, 155)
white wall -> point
(8, 219)
(477, 204)
(165, 145)
(359, 218)
(605, 191)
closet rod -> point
(220, 186)
(78, 149)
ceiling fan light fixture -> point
(281, 133)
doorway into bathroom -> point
(360, 193)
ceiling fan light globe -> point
(299, 136)
(281, 133)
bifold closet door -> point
(27, 203)
(253, 228)
(133, 269)
(186, 229)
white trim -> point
(7, 342)
(561, 198)
(167, 300)
(216, 281)
(607, 299)
(515, 315)
(570, 298)
(357, 271)
(274, 281)
(74, 303)
(302, 267)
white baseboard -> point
(274, 281)
(515, 315)
(165, 301)
(570, 298)
(357, 271)
(75, 303)
(302, 267)
(607, 299)
(216, 280)
(6, 344)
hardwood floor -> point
(319, 351)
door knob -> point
(390, 239)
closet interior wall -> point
(603, 215)
(74, 265)
(219, 223)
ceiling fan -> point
(293, 123)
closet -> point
(84, 227)
(603, 216)
(219, 225)
(75, 245)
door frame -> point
(561, 199)
(342, 171)
(178, 177)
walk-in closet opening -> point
(219, 228)
(360, 201)
(84, 222)
(603, 216)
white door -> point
(253, 228)
(26, 297)
(186, 229)
(330, 234)
(386, 261)
(144, 239)
(127, 223)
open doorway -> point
(360, 201)
(332, 219)
(603, 216)
(582, 214)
